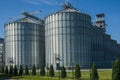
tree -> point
(77, 72)
(94, 73)
(63, 72)
(15, 70)
(51, 71)
(6, 70)
(11, 70)
(26, 70)
(33, 70)
(42, 71)
(2, 69)
(21, 70)
(116, 70)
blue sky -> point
(111, 8)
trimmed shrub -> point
(116, 70)
(26, 70)
(6, 70)
(94, 73)
(15, 70)
(51, 71)
(63, 72)
(33, 70)
(42, 71)
(11, 70)
(77, 72)
(2, 69)
(21, 70)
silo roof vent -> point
(30, 18)
(68, 5)
(68, 8)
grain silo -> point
(24, 41)
(68, 38)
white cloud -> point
(33, 2)
(38, 2)
(46, 2)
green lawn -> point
(103, 75)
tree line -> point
(15, 71)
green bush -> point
(77, 72)
(15, 70)
(33, 70)
(2, 69)
(63, 72)
(26, 70)
(116, 70)
(21, 70)
(94, 73)
(11, 70)
(42, 71)
(6, 70)
(51, 71)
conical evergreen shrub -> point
(15, 70)
(116, 70)
(33, 70)
(11, 70)
(51, 71)
(94, 73)
(2, 69)
(63, 72)
(21, 70)
(6, 70)
(77, 72)
(42, 71)
(26, 70)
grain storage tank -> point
(24, 41)
(68, 38)
(2, 52)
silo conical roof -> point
(29, 18)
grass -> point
(85, 75)
(103, 75)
